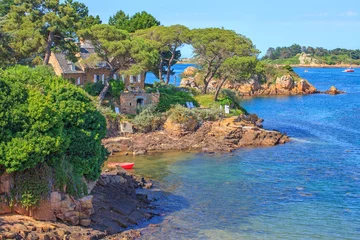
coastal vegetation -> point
(51, 127)
(315, 55)
(48, 123)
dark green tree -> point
(168, 41)
(213, 46)
(140, 20)
(39, 26)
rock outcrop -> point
(221, 136)
(283, 85)
(190, 71)
(180, 129)
(334, 91)
(114, 205)
(57, 206)
(307, 59)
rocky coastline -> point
(224, 135)
(114, 205)
(287, 83)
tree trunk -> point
(206, 84)
(107, 85)
(48, 48)
(219, 87)
(160, 70)
(169, 65)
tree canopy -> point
(140, 20)
(123, 52)
(293, 50)
(38, 26)
(167, 40)
(213, 46)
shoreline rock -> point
(221, 136)
(116, 204)
(283, 85)
(334, 91)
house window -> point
(139, 78)
(96, 78)
(139, 102)
(123, 78)
(79, 81)
(103, 79)
(131, 79)
(115, 77)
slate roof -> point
(86, 50)
(66, 65)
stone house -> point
(134, 95)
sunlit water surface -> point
(306, 189)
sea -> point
(306, 189)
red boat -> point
(349, 70)
(123, 165)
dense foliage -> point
(148, 120)
(171, 95)
(38, 26)
(167, 41)
(47, 120)
(289, 55)
(94, 89)
(116, 87)
(140, 20)
(213, 46)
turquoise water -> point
(307, 189)
(178, 69)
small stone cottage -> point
(134, 95)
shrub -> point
(148, 120)
(94, 89)
(171, 96)
(288, 68)
(116, 87)
(46, 120)
(180, 114)
(211, 114)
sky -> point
(268, 23)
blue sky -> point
(268, 23)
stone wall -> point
(129, 101)
(135, 83)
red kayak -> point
(123, 165)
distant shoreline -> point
(321, 66)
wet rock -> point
(139, 152)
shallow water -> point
(307, 189)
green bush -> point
(116, 87)
(171, 96)
(180, 114)
(46, 120)
(94, 89)
(288, 68)
(148, 120)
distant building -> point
(134, 95)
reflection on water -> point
(154, 166)
(307, 189)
